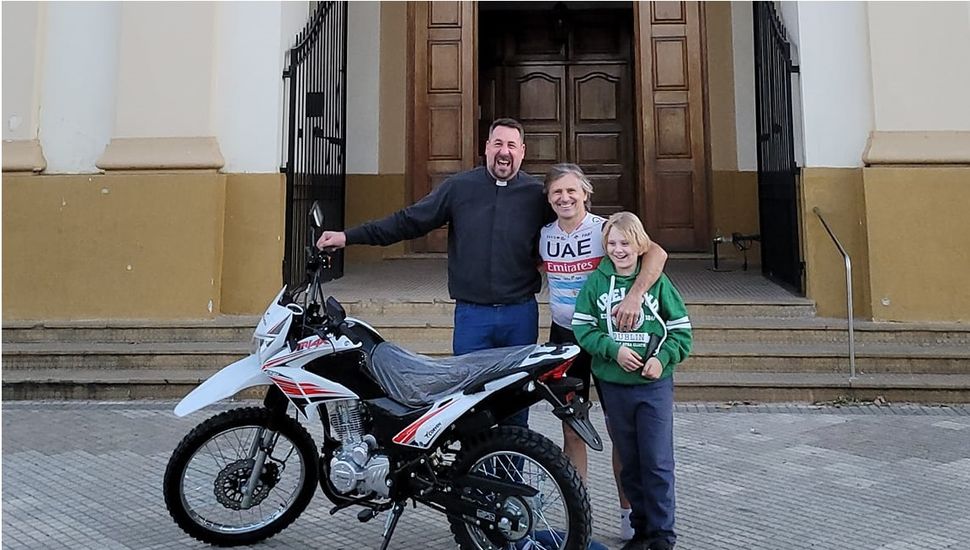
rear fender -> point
(551, 353)
(229, 381)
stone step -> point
(406, 328)
(690, 386)
(827, 358)
(815, 388)
(710, 357)
(233, 329)
(113, 356)
(372, 310)
(824, 330)
(719, 330)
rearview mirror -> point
(316, 215)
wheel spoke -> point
(242, 444)
(549, 522)
(214, 477)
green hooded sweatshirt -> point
(664, 315)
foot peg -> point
(366, 515)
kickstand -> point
(392, 523)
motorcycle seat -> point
(417, 380)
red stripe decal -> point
(319, 391)
(279, 360)
(407, 435)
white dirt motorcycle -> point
(397, 426)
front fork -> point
(262, 447)
(263, 443)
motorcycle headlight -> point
(255, 344)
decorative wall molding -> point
(25, 155)
(162, 153)
(940, 147)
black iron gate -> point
(316, 108)
(777, 170)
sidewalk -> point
(772, 477)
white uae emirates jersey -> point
(568, 259)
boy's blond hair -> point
(628, 224)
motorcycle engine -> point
(355, 467)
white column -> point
(920, 65)
(363, 86)
(742, 37)
(251, 44)
(80, 69)
(166, 70)
(836, 86)
(22, 57)
(788, 11)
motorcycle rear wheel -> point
(205, 474)
(560, 512)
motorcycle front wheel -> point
(206, 478)
(557, 518)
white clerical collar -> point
(501, 183)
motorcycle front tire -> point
(250, 417)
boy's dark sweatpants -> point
(642, 424)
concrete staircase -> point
(775, 350)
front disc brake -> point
(229, 484)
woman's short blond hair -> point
(628, 224)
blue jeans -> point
(479, 327)
(642, 426)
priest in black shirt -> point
(494, 213)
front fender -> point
(229, 381)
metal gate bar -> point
(777, 169)
(316, 133)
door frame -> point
(646, 133)
(448, 26)
(417, 147)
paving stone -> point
(781, 476)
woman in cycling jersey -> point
(571, 248)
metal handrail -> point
(848, 290)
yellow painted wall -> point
(112, 246)
(720, 86)
(371, 197)
(734, 194)
(394, 92)
(918, 226)
(838, 193)
(254, 239)
(734, 209)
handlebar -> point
(332, 314)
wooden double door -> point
(566, 76)
(618, 91)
